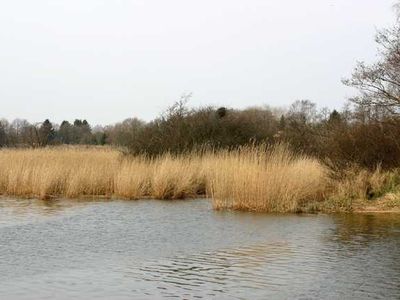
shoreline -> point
(359, 210)
(376, 211)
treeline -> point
(21, 133)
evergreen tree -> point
(3, 135)
(65, 132)
(334, 117)
(46, 133)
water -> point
(183, 249)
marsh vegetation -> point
(255, 178)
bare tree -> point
(379, 83)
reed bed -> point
(80, 172)
(250, 178)
(57, 172)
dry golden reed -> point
(69, 172)
(74, 172)
(272, 180)
(250, 178)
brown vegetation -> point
(272, 180)
(256, 178)
(75, 172)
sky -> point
(108, 60)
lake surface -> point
(183, 249)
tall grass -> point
(68, 172)
(272, 180)
(249, 178)
(76, 172)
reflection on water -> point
(361, 228)
(183, 249)
(25, 210)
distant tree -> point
(334, 117)
(77, 123)
(32, 135)
(101, 138)
(379, 83)
(46, 133)
(15, 130)
(126, 133)
(301, 126)
(99, 135)
(64, 133)
(221, 112)
(302, 111)
(282, 123)
(85, 133)
(81, 132)
(3, 135)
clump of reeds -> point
(266, 179)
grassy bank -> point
(251, 178)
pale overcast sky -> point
(107, 60)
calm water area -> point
(149, 249)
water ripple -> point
(184, 250)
